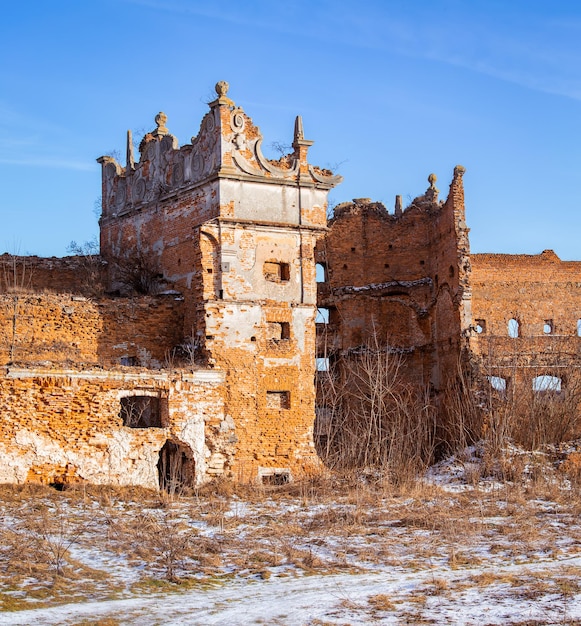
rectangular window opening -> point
(129, 361)
(274, 477)
(141, 411)
(276, 480)
(278, 331)
(323, 364)
(278, 400)
(326, 316)
(276, 271)
(322, 316)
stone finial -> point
(129, 161)
(299, 136)
(160, 120)
(432, 192)
(222, 88)
(299, 132)
(459, 171)
(398, 205)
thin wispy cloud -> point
(536, 53)
(522, 48)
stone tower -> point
(235, 233)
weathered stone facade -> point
(400, 278)
(187, 349)
(232, 235)
(527, 317)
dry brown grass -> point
(329, 524)
(381, 602)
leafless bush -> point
(529, 416)
(138, 271)
(370, 417)
(16, 273)
(52, 531)
(546, 416)
(499, 404)
(187, 354)
(463, 407)
(91, 265)
(165, 541)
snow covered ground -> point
(451, 550)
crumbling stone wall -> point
(64, 426)
(80, 275)
(401, 277)
(77, 331)
(542, 295)
(68, 361)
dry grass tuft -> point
(381, 602)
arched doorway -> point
(176, 467)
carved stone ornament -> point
(197, 164)
(237, 122)
(178, 172)
(238, 141)
(121, 194)
(210, 123)
(160, 120)
(139, 190)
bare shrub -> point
(463, 407)
(16, 273)
(533, 418)
(187, 354)
(370, 417)
(138, 271)
(52, 531)
(547, 416)
(91, 265)
(165, 541)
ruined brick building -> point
(187, 349)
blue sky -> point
(389, 91)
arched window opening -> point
(547, 384)
(513, 328)
(480, 326)
(175, 467)
(322, 364)
(579, 328)
(498, 383)
(321, 272)
(548, 327)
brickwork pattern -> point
(402, 277)
(543, 295)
